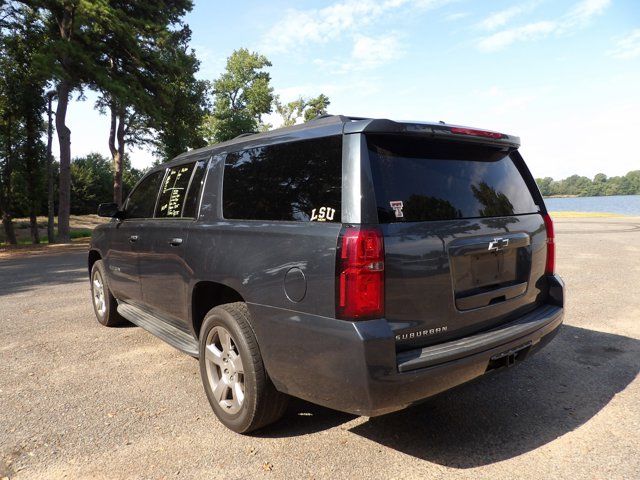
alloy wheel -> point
(225, 371)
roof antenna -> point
(441, 122)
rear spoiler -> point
(439, 131)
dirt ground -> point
(78, 400)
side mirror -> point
(109, 210)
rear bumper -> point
(353, 366)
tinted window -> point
(418, 180)
(174, 191)
(193, 195)
(291, 181)
(142, 200)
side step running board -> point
(152, 324)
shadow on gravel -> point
(303, 418)
(28, 273)
(515, 411)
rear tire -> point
(105, 305)
(233, 374)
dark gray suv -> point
(361, 264)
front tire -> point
(105, 305)
(233, 374)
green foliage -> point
(242, 94)
(575, 185)
(185, 100)
(308, 108)
(92, 182)
(290, 112)
(150, 73)
(22, 83)
(316, 106)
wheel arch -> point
(94, 256)
(206, 295)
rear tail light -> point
(360, 273)
(476, 133)
(551, 245)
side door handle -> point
(175, 242)
(133, 238)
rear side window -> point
(416, 179)
(174, 191)
(142, 200)
(193, 195)
(297, 181)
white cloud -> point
(367, 53)
(371, 52)
(585, 10)
(578, 17)
(532, 31)
(453, 17)
(499, 19)
(300, 27)
(628, 46)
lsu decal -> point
(324, 214)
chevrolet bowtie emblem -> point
(498, 244)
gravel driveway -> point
(78, 400)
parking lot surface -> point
(78, 400)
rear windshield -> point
(417, 179)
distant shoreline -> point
(590, 196)
(562, 196)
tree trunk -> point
(7, 223)
(33, 174)
(117, 132)
(65, 24)
(50, 213)
(64, 139)
(6, 193)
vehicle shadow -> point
(514, 411)
(499, 416)
(32, 272)
(303, 418)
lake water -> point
(621, 204)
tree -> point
(290, 112)
(185, 104)
(316, 106)
(92, 181)
(22, 90)
(544, 184)
(8, 132)
(600, 185)
(308, 108)
(139, 70)
(68, 54)
(242, 94)
(106, 46)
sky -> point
(563, 75)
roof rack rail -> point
(246, 134)
(338, 116)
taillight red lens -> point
(551, 245)
(360, 274)
(475, 133)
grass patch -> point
(80, 226)
(80, 233)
